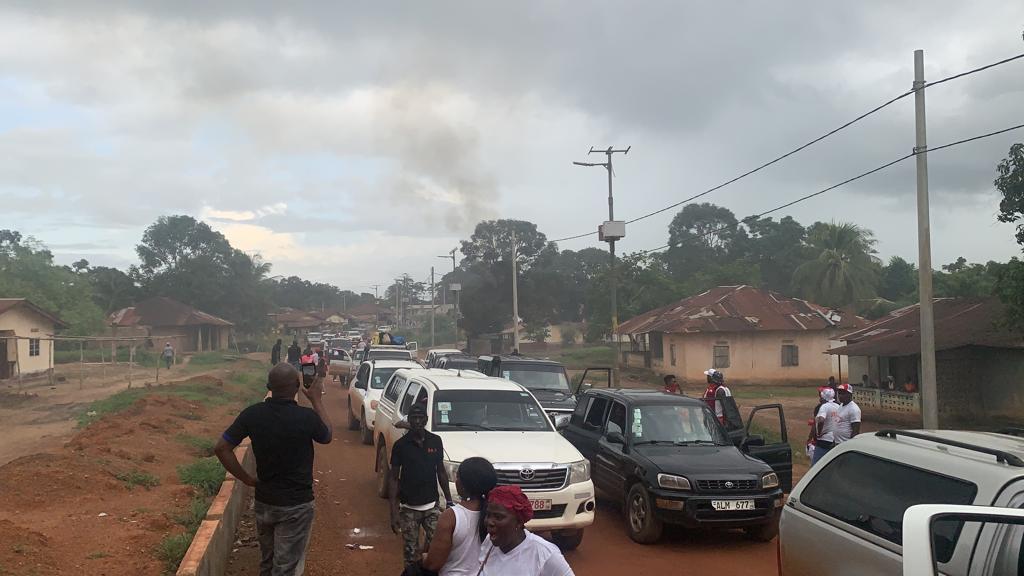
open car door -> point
(594, 378)
(765, 438)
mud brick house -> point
(26, 346)
(167, 320)
(752, 335)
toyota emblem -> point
(729, 484)
(526, 473)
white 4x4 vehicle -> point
(501, 421)
(365, 391)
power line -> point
(808, 144)
(847, 181)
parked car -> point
(546, 379)
(501, 421)
(1003, 555)
(341, 364)
(364, 393)
(457, 362)
(669, 461)
(314, 338)
(856, 499)
(436, 354)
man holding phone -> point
(282, 434)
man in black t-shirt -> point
(294, 354)
(417, 467)
(282, 434)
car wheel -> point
(367, 434)
(567, 540)
(763, 532)
(644, 527)
(353, 424)
(382, 471)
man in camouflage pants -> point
(417, 467)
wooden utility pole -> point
(929, 393)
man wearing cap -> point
(417, 467)
(847, 416)
(825, 419)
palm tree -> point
(843, 269)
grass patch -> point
(205, 475)
(762, 392)
(97, 555)
(138, 478)
(207, 359)
(142, 356)
(585, 357)
(200, 444)
(205, 394)
(194, 514)
(172, 549)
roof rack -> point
(1011, 431)
(1001, 456)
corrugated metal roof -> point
(163, 311)
(11, 303)
(958, 322)
(738, 309)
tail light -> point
(373, 405)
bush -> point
(172, 549)
(205, 475)
(201, 444)
(138, 478)
(194, 515)
(569, 334)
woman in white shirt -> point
(512, 550)
(455, 549)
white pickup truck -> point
(501, 421)
(365, 391)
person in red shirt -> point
(671, 385)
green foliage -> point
(493, 241)
(569, 334)
(1010, 289)
(200, 393)
(205, 475)
(586, 357)
(1010, 184)
(202, 445)
(172, 549)
(194, 513)
(844, 269)
(143, 357)
(135, 478)
(206, 359)
(538, 333)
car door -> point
(765, 438)
(608, 466)
(358, 390)
(589, 425)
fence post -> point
(81, 363)
(103, 361)
(158, 369)
(131, 360)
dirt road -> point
(346, 500)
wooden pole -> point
(131, 360)
(49, 360)
(17, 361)
(103, 362)
(81, 363)
(158, 358)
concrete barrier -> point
(208, 554)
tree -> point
(898, 281)
(112, 288)
(777, 249)
(174, 241)
(701, 237)
(493, 240)
(963, 279)
(843, 269)
(1010, 184)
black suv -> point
(546, 379)
(670, 461)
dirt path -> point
(346, 500)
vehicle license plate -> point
(723, 505)
(541, 504)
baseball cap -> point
(845, 387)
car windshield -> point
(676, 424)
(380, 377)
(537, 376)
(487, 410)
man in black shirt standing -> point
(417, 467)
(294, 354)
(282, 434)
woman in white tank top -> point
(455, 549)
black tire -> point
(643, 526)
(364, 431)
(567, 540)
(382, 472)
(763, 532)
(353, 424)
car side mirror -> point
(615, 437)
(752, 440)
(561, 421)
(402, 424)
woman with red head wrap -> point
(512, 550)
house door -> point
(5, 366)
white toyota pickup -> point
(501, 421)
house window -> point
(790, 355)
(672, 353)
(721, 356)
(33, 346)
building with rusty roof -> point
(979, 363)
(186, 328)
(751, 335)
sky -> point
(352, 142)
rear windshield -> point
(460, 363)
(873, 493)
(380, 377)
(389, 355)
(537, 376)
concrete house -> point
(25, 344)
(979, 364)
(167, 320)
(751, 335)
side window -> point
(407, 399)
(594, 419)
(364, 373)
(617, 418)
(878, 507)
(580, 411)
(394, 389)
(790, 355)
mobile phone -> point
(308, 374)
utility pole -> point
(515, 296)
(610, 232)
(452, 256)
(929, 392)
(398, 301)
(433, 307)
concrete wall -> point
(754, 357)
(27, 324)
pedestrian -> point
(282, 434)
(168, 355)
(275, 353)
(455, 548)
(908, 385)
(417, 467)
(719, 398)
(671, 384)
(294, 354)
(513, 550)
(831, 383)
(847, 416)
(823, 426)
(890, 383)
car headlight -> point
(579, 471)
(452, 468)
(673, 482)
(770, 480)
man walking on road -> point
(282, 434)
(168, 355)
(294, 353)
(275, 353)
(417, 467)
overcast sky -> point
(379, 133)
